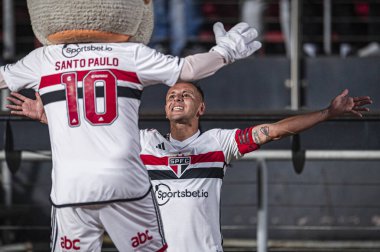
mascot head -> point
(85, 21)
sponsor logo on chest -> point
(164, 193)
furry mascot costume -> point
(90, 74)
(67, 21)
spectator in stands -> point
(252, 12)
(373, 48)
(177, 22)
(187, 168)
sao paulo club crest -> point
(179, 164)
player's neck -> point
(181, 132)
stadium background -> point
(333, 205)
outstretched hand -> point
(346, 104)
(24, 106)
(237, 43)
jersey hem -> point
(100, 202)
(163, 248)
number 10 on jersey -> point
(93, 81)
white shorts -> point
(132, 226)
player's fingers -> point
(361, 103)
(361, 98)
(356, 113)
(344, 93)
(19, 96)
(360, 109)
(14, 100)
(38, 97)
(20, 113)
(14, 107)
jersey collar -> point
(181, 144)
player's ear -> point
(166, 110)
(202, 109)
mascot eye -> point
(146, 1)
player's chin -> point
(176, 117)
(176, 113)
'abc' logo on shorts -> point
(141, 238)
(66, 243)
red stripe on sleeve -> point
(244, 141)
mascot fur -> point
(82, 21)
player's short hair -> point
(199, 89)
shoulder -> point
(217, 132)
(128, 48)
(139, 47)
(148, 133)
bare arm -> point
(292, 125)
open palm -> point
(24, 106)
(346, 104)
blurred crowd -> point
(184, 27)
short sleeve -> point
(25, 73)
(226, 139)
(154, 67)
(235, 143)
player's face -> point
(184, 103)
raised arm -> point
(340, 105)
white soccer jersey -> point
(187, 179)
(91, 94)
